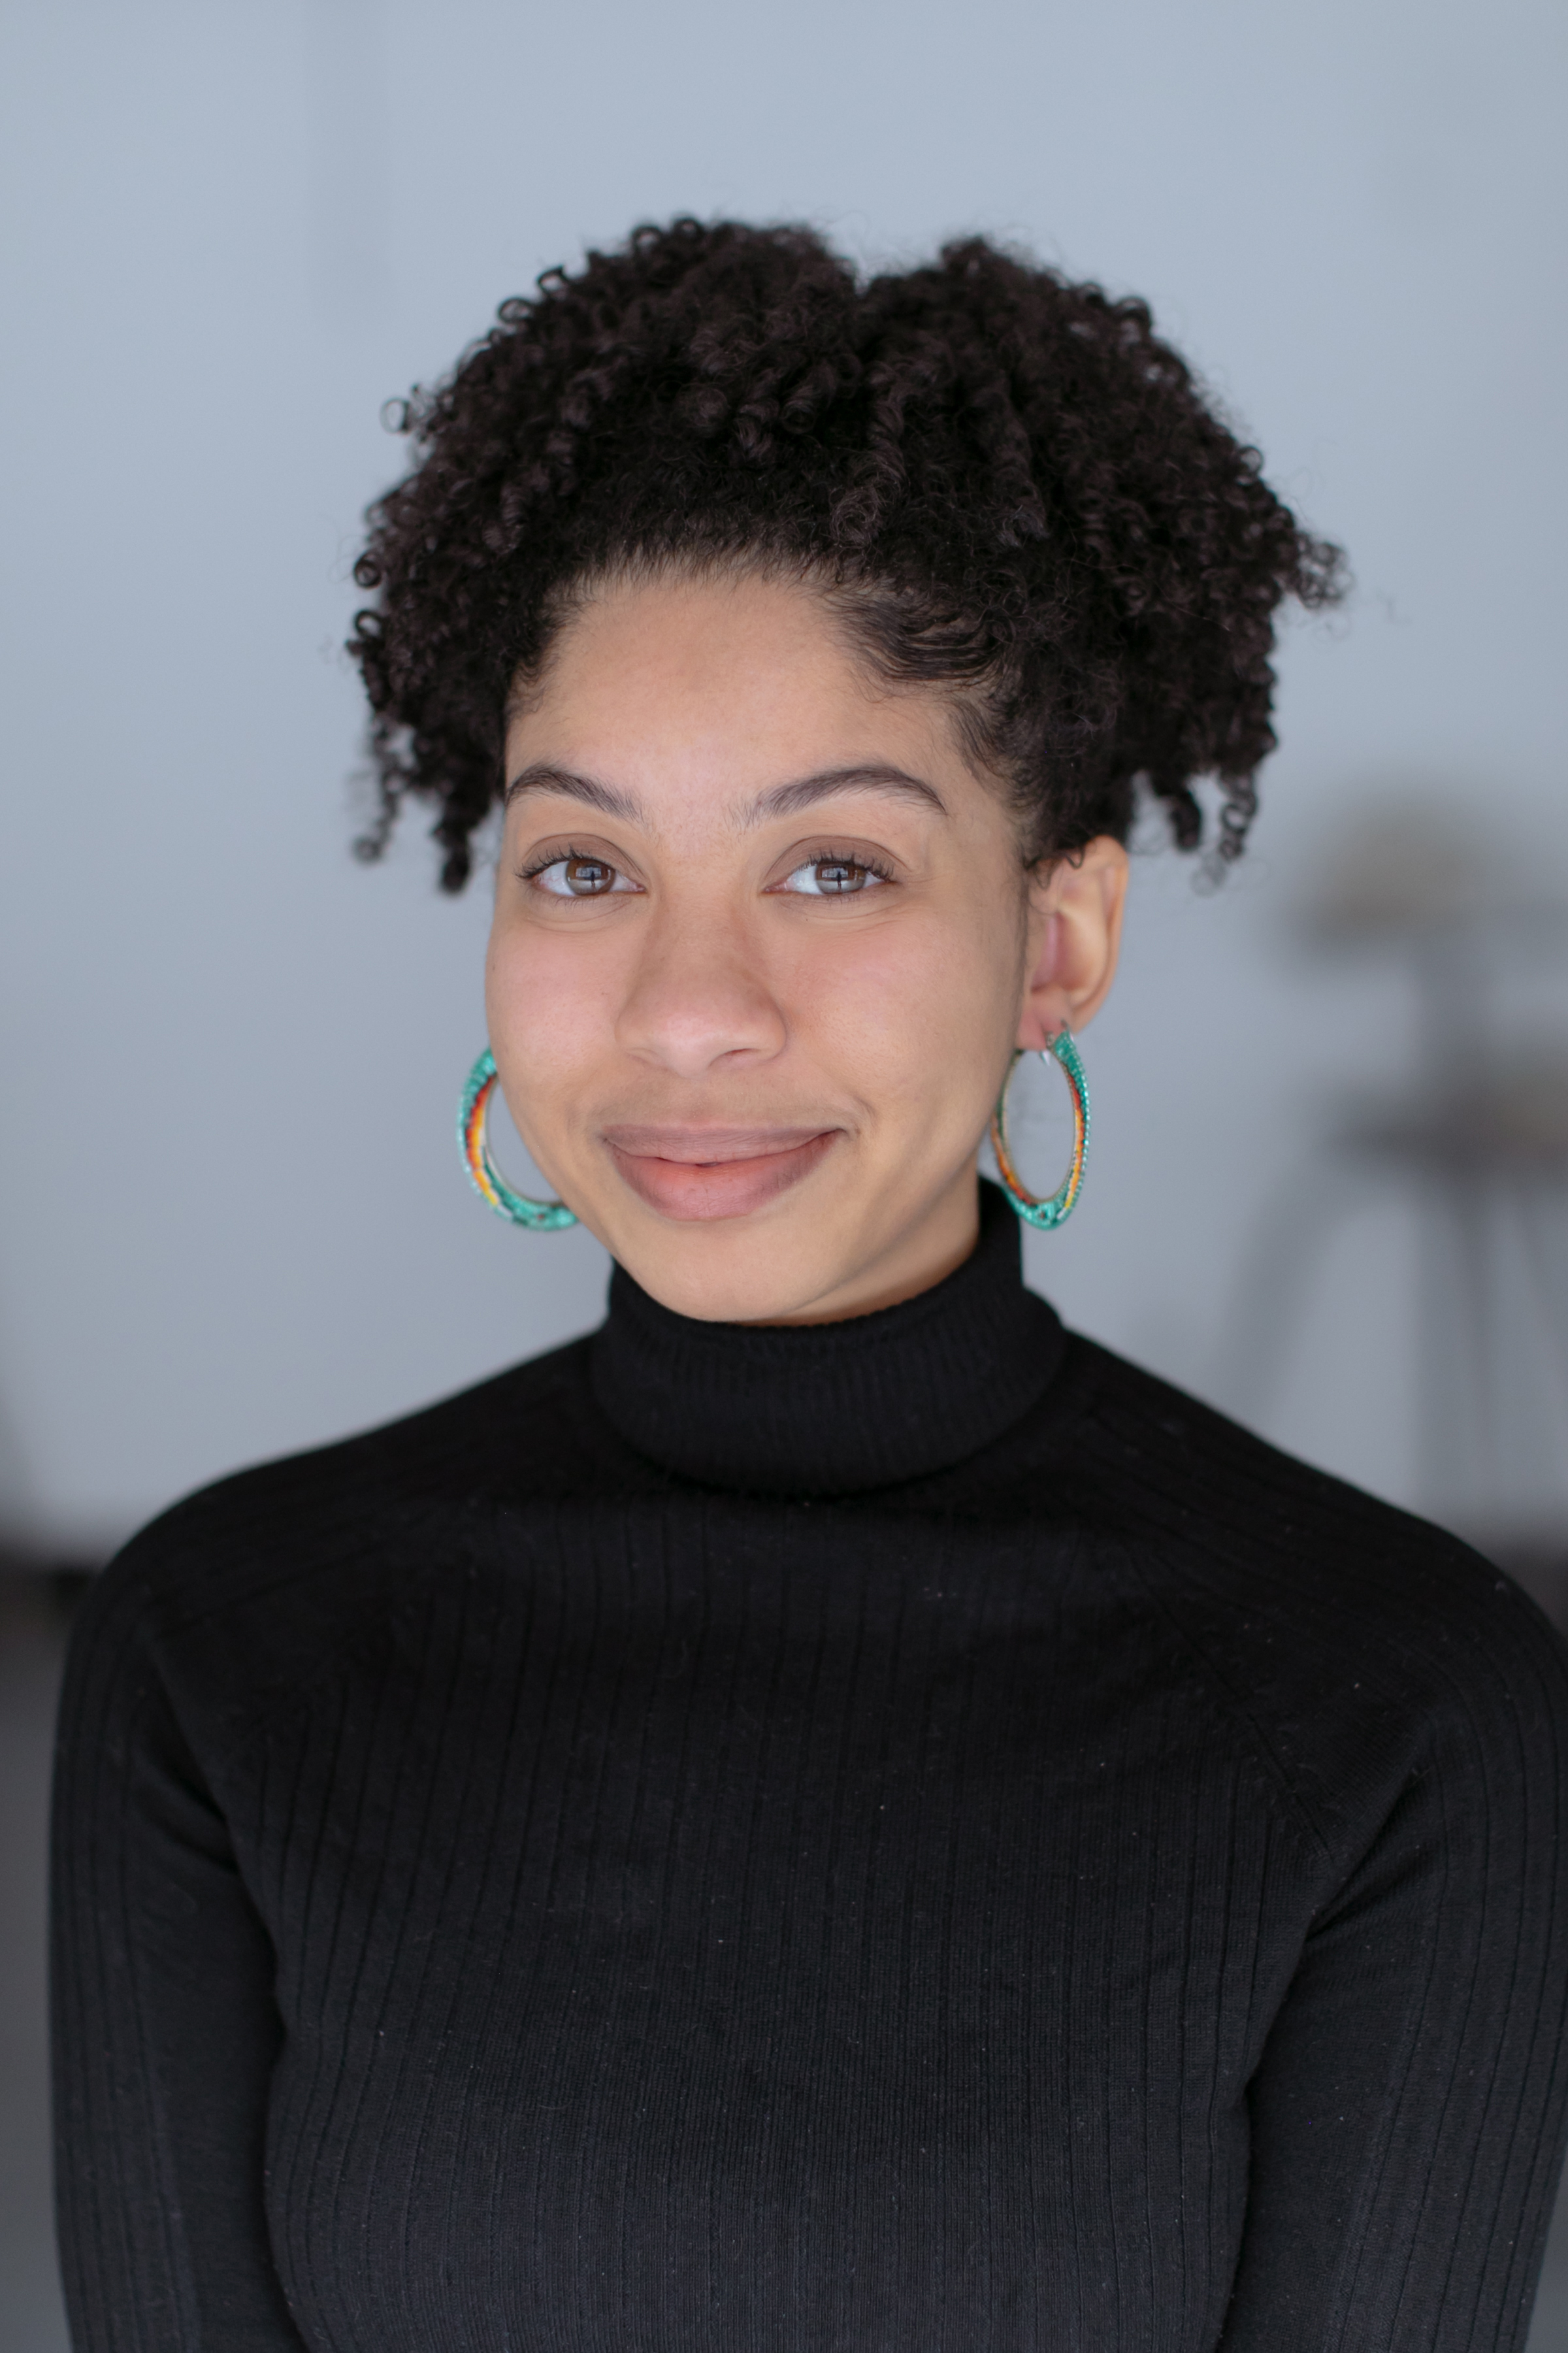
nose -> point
(699, 1000)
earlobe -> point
(1076, 907)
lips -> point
(715, 1172)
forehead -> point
(743, 679)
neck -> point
(840, 1407)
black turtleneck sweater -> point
(901, 1836)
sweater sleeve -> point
(1407, 2114)
(164, 2026)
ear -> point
(1074, 937)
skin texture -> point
(765, 1097)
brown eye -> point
(579, 878)
(830, 878)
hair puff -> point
(1005, 483)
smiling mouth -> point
(715, 1172)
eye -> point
(572, 876)
(831, 877)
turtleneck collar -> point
(833, 1408)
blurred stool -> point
(1476, 1140)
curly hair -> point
(1004, 483)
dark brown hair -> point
(1005, 482)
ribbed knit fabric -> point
(841, 1408)
(913, 1835)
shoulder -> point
(1360, 1644)
(239, 1587)
(517, 1434)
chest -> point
(811, 1953)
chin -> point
(768, 1266)
(744, 1272)
(731, 1243)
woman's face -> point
(762, 946)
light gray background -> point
(233, 1220)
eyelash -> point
(864, 859)
(549, 858)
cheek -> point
(918, 1015)
(550, 1000)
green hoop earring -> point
(1046, 1214)
(473, 1115)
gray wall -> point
(231, 1215)
(233, 1220)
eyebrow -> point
(779, 800)
(607, 799)
(783, 800)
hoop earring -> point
(473, 1116)
(1046, 1214)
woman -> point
(831, 1813)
